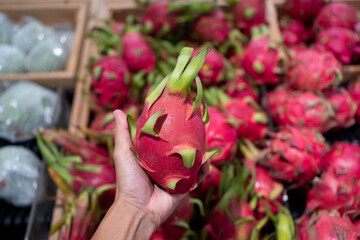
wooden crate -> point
(51, 13)
(350, 71)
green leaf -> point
(258, 67)
(156, 93)
(148, 128)
(244, 220)
(97, 72)
(172, 183)
(132, 127)
(187, 154)
(198, 202)
(199, 96)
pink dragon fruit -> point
(354, 90)
(344, 158)
(324, 225)
(212, 27)
(314, 69)
(111, 82)
(277, 100)
(334, 192)
(306, 109)
(261, 61)
(158, 19)
(137, 53)
(210, 184)
(294, 155)
(336, 14)
(104, 122)
(342, 42)
(248, 14)
(222, 227)
(117, 27)
(293, 31)
(344, 106)
(241, 88)
(169, 230)
(304, 10)
(220, 135)
(213, 70)
(170, 139)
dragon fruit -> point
(261, 61)
(104, 122)
(222, 227)
(342, 42)
(210, 184)
(344, 106)
(137, 53)
(293, 31)
(327, 225)
(344, 158)
(170, 140)
(313, 69)
(294, 155)
(213, 70)
(248, 14)
(212, 27)
(158, 19)
(110, 82)
(169, 230)
(304, 10)
(277, 100)
(220, 135)
(336, 14)
(241, 88)
(306, 109)
(354, 90)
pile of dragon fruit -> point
(208, 86)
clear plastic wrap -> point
(48, 56)
(5, 29)
(19, 171)
(24, 107)
(11, 60)
(30, 34)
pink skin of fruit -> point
(158, 18)
(327, 225)
(170, 141)
(248, 14)
(277, 100)
(222, 227)
(354, 90)
(294, 32)
(210, 183)
(212, 27)
(241, 88)
(304, 10)
(213, 70)
(220, 135)
(342, 42)
(344, 158)
(344, 107)
(306, 109)
(314, 69)
(336, 14)
(334, 192)
(168, 230)
(137, 53)
(111, 82)
(104, 122)
(261, 61)
(117, 27)
(294, 155)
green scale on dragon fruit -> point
(19, 171)
(11, 60)
(5, 29)
(47, 56)
(24, 107)
(29, 35)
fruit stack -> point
(156, 62)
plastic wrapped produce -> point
(30, 35)
(19, 171)
(24, 107)
(5, 28)
(11, 59)
(48, 56)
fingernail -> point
(116, 116)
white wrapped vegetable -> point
(5, 29)
(19, 172)
(24, 107)
(11, 60)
